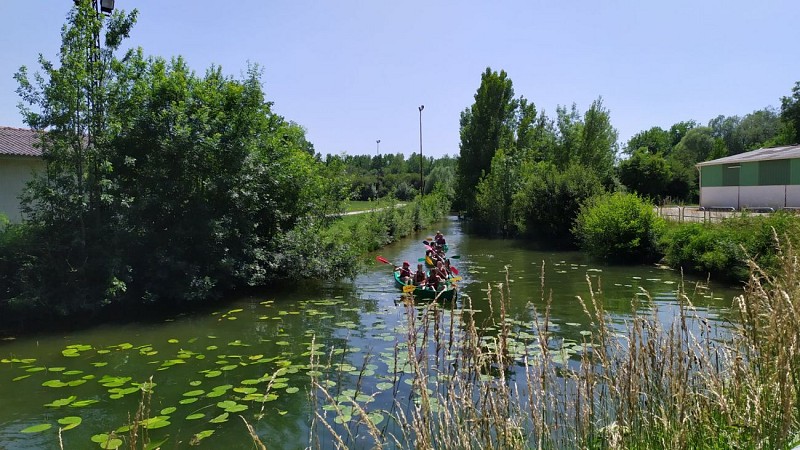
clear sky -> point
(352, 72)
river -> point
(250, 357)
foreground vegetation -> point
(647, 384)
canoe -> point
(447, 294)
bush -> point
(722, 249)
(619, 227)
(549, 200)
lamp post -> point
(378, 147)
(421, 180)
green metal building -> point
(763, 178)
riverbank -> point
(313, 251)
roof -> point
(762, 154)
(19, 142)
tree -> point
(162, 185)
(548, 199)
(486, 126)
(598, 141)
(655, 140)
(696, 146)
(790, 114)
(646, 173)
(495, 194)
(68, 204)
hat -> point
(405, 263)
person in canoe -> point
(420, 276)
(447, 270)
(439, 239)
(434, 282)
(441, 271)
(405, 272)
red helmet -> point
(405, 264)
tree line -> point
(524, 173)
(392, 175)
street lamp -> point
(378, 150)
(421, 180)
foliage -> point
(619, 227)
(502, 141)
(548, 201)
(486, 126)
(790, 115)
(163, 186)
(723, 249)
(655, 141)
(494, 194)
(647, 174)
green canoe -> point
(447, 294)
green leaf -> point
(70, 422)
(37, 428)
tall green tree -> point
(68, 203)
(790, 114)
(486, 126)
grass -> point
(360, 205)
(646, 384)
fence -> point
(677, 213)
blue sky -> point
(352, 72)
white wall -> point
(723, 196)
(751, 196)
(793, 196)
(15, 171)
(756, 196)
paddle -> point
(421, 260)
(426, 243)
(429, 261)
(455, 279)
(454, 270)
(455, 257)
(408, 288)
(381, 259)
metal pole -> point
(421, 179)
(378, 148)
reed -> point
(645, 384)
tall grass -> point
(644, 384)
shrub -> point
(722, 249)
(549, 200)
(619, 227)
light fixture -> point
(107, 6)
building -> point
(19, 159)
(763, 178)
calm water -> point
(251, 356)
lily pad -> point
(37, 428)
(220, 418)
(70, 422)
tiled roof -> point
(19, 142)
(762, 154)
